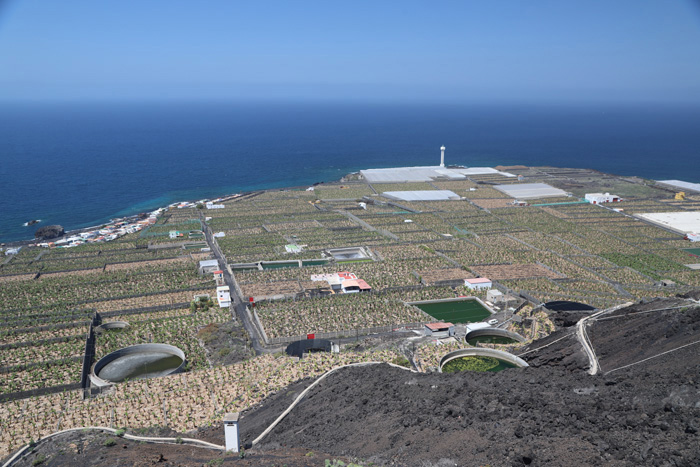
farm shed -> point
(598, 198)
(355, 285)
(478, 283)
(495, 296)
(208, 266)
(440, 330)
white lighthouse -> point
(442, 156)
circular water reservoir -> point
(493, 336)
(475, 359)
(115, 326)
(138, 362)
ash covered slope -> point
(552, 414)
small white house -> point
(478, 283)
(223, 296)
(495, 296)
(440, 330)
(599, 198)
(208, 266)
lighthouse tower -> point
(442, 156)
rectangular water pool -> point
(456, 311)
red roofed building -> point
(440, 329)
(478, 283)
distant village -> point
(120, 227)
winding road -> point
(582, 336)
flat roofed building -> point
(598, 198)
(426, 173)
(208, 266)
(422, 195)
(683, 222)
(223, 296)
(530, 190)
(495, 296)
(478, 283)
(681, 184)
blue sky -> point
(505, 50)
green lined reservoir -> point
(484, 339)
(455, 311)
(476, 363)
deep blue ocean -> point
(80, 164)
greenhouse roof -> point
(530, 190)
(681, 184)
(425, 174)
(422, 195)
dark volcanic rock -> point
(565, 319)
(642, 411)
(551, 413)
(48, 232)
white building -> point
(598, 198)
(495, 296)
(223, 295)
(208, 266)
(478, 283)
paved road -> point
(582, 336)
(238, 306)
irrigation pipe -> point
(311, 386)
(191, 441)
(654, 356)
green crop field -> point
(463, 311)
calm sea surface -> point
(81, 164)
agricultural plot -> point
(575, 252)
(516, 271)
(337, 313)
(69, 290)
(182, 402)
(353, 191)
(406, 186)
(179, 330)
(434, 276)
(650, 265)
